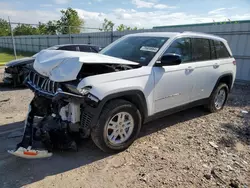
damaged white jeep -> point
(109, 95)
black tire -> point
(211, 102)
(110, 109)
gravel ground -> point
(188, 149)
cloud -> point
(62, 1)
(220, 10)
(142, 4)
(216, 11)
(150, 4)
(30, 16)
(162, 6)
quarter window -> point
(181, 47)
(201, 49)
(221, 50)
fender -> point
(134, 96)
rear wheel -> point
(117, 127)
(218, 98)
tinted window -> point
(212, 47)
(94, 49)
(221, 50)
(181, 47)
(67, 48)
(201, 49)
(85, 48)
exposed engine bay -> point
(65, 114)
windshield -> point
(140, 49)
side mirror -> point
(170, 59)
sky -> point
(139, 13)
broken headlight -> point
(85, 90)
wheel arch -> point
(134, 96)
(225, 78)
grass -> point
(7, 55)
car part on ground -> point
(111, 94)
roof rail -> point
(194, 32)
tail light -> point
(234, 62)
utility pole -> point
(13, 40)
(70, 35)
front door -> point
(174, 83)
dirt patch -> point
(188, 149)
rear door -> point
(206, 71)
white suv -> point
(133, 80)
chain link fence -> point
(237, 35)
(18, 46)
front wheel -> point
(218, 98)
(117, 127)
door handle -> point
(216, 65)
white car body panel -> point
(61, 66)
(141, 79)
(173, 86)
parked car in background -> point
(16, 70)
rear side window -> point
(85, 48)
(68, 48)
(181, 46)
(201, 49)
(221, 50)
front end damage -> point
(64, 119)
(65, 114)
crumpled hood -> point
(61, 66)
(22, 61)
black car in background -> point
(16, 70)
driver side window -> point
(182, 47)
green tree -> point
(25, 29)
(70, 18)
(4, 28)
(52, 27)
(107, 25)
(42, 28)
(123, 27)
